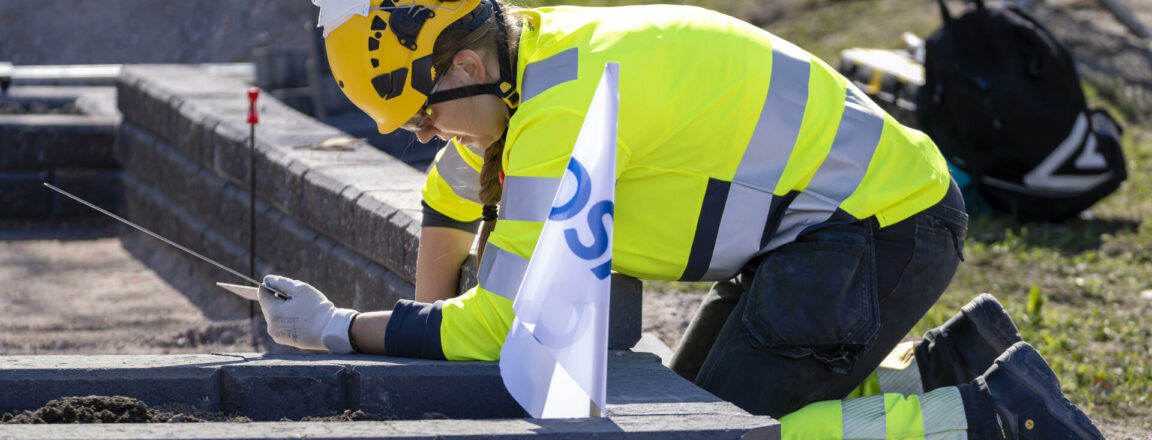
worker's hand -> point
(306, 320)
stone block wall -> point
(343, 218)
(58, 135)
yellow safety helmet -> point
(382, 61)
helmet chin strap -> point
(504, 88)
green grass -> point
(1081, 291)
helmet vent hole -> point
(375, 62)
(378, 35)
(341, 84)
(378, 24)
(373, 44)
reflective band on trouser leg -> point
(735, 229)
(938, 415)
(501, 272)
(843, 169)
(464, 180)
(549, 72)
(899, 372)
(528, 198)
(943, 412)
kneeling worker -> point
(742, 159)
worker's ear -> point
(469, 66)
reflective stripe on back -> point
(843, 169)
(864, 418)
(740, 230)
(501, 272)
(942, 410)
(464, 180)
(749, 200)
(528, 198)
(549, 72)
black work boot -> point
(1026, 396)
(965, 346)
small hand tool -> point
(165, 240)
(248, 293)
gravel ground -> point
(91, 296)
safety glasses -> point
(423, 117)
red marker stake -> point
(253, 119)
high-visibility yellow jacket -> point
(732, 142)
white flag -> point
(554, 361)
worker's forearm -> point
(442, 251)
(368, 331)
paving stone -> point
(458, 390)
(278, 179)
(22, 194)
(373, 294)
(624, 312)
(387, 234)
(645, 399)
(144, 103)
(147, 207)
(99, 187)
(230, 154)
(267, 393)
(49, 141)
(193, 131)
(186, 384)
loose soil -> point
(113, 409)
(120, 409)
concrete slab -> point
(645, 399)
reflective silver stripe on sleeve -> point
(528, 198)
(747, 208)
(899, 372)
(501, 272)
(549, 72)
(464, 180)
(864, 417)
(942, 410)
(843, 169)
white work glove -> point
(306, 320)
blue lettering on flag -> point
(579, 199)
(596, 222)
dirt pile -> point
(113, 409)
(348, 416)
(120, 409)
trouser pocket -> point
(816, 297)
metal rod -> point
(252, 200)
(165, 240)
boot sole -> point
(992, 322)
(1025, 364)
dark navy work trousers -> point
(812, 319)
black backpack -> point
(1003, 102)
